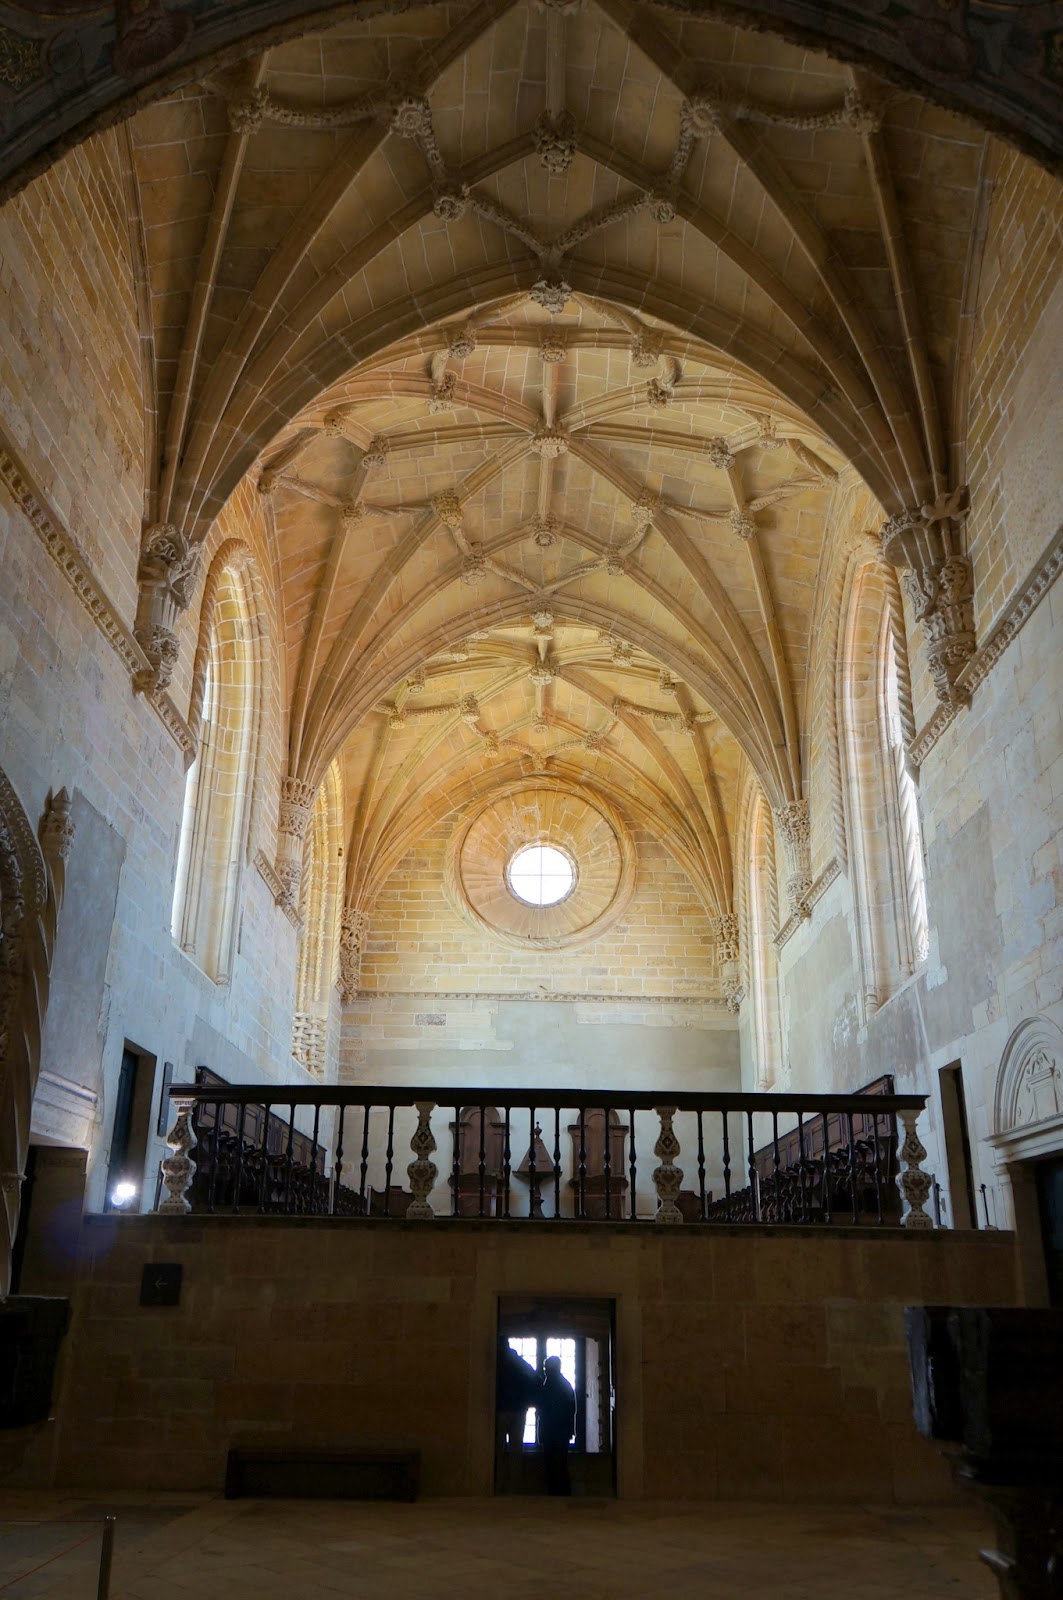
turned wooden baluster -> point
(667, 1178)
(422, 1172)
(179, 1169)
(913, 1183)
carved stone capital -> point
(719, 452)
(742, 525)
(296, 808)
(658, 394)
(939, 583)
(794, 824)
(168, 564)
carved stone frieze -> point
(725, 928)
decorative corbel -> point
(792, 821)
(939, 582)
(166, 574)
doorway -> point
(582, 1333)
(1049, 1176)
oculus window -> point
(541, 875)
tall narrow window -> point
(321, 905)
(908, 811)
(217, 805)
(881, 803)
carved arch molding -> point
(1028, 1102)
(75, 66)
(32, 873)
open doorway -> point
(581, 1334)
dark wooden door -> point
(1050, 1203)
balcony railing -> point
(557, 1155)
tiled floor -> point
(180, 1547)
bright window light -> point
(541, 875)
(122, 1193)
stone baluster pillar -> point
(913, 1182)
(167, 574)
(179, 1169)
(792, 821)
(667, 1178)
(422, 1172)
(296, 809)
(939, 581)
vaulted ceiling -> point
(554, 339)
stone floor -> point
(513, 1549)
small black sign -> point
(160, 1283)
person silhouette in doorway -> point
(557, 1417)
(516, 1390)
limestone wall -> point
(767, 1366)
(444, 996)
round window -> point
(541, 875)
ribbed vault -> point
(547, 344)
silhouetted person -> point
(557, 1416)
(516, 1389)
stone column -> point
(167, 574)
(913, 1182)
(792, 821)
(939, 582)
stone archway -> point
(1027, 1127)
(83, 66)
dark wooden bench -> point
(341, 1473)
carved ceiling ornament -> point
(555, 141)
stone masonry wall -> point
(767, 1366)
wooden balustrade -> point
(746, 1158)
